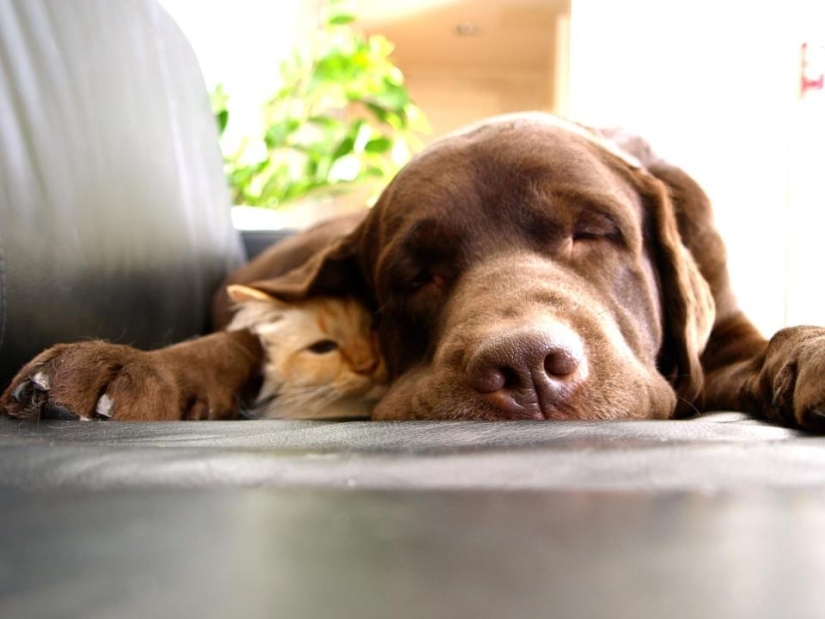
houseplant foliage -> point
(341, 119)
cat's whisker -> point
(305, 403)
(307, 390)
(304, 399)
(323, 403)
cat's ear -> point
(244, 294)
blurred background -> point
(731, 91)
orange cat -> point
(319, 352)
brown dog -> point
(523, 269)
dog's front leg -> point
(197, 379)
(782, 379)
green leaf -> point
(277, 133)
(300, 189)
(344, 148)
(341, 19)
(374, 172)
(379, 112)
(393, 96)
(223, 119)
(378, 145)
(326, 122)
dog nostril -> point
(526, 374)
(561, 362)
(488, 379)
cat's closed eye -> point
(322, 347)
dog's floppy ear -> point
(322, 260)
(332, 271)
(688, 304)
(688, 307)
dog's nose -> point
(528, 374)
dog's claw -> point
(41, 381)
(55, 410)
(104, 407)
(25, 400)
(19, 392)
(815, 420)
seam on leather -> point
(2, 295)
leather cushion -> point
(114, 211)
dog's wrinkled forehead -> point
(538, 120)
(501, 176)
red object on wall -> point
(813, 68)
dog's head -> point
(525, 268)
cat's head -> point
(319, 351)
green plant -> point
(341, 119)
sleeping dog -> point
(524, 268)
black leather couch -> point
(114, 223)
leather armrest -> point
(114, 210)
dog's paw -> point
(92, 380)
(794, 376)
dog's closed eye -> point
(596, 228)
(426, 280)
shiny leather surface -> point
(719, 452)
(715, 517)
(256, 241)
(369, 554)
(114, 214)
